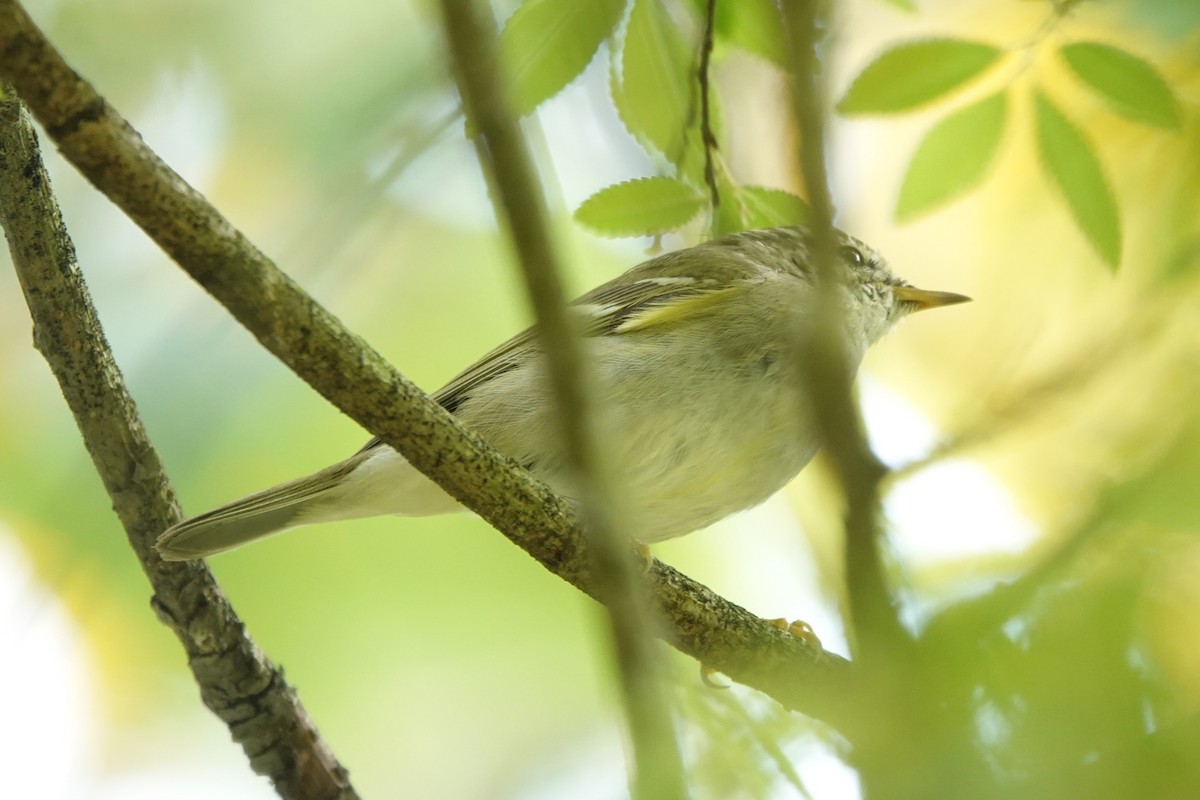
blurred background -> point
(1051, 428)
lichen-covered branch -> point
(355, 378)
(237, 682)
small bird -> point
(697, 359)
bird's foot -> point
(643, 551)
(798, 628)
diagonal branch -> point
(356, 379)
(236, 680)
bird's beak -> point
(923, 298)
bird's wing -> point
(627, 304)
(651, 301)
(617, 307)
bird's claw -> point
(643, 552)
(798, 628)
(706, 677)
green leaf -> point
(755, 26)
(953, 156)
(654, 96)
(771, 208)
(1130, 85)
(903, 5)
(640, 207)
(546, 44)
(1069, 160)
(915, 73)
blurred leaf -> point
(1069, 159)
(640, 207)
(755, 26)
(914, 73)
(903, 5)
(547, 43)
(1076, 655)
(1130, 85)
(654, 92)
(953, 156)
(1164, 494)
(771, 208)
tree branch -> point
(356, 379)
(874, 622)
(656, 767)
(237, 682)
(885, 654)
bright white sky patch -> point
(949, 510)
(52, 729)
(955, 509)
(48, 727)
(898, 432)
(823, 771)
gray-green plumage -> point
(697, 358)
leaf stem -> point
(707, 135)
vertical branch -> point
(707, 136)
(473, 38)
(236, 680)
(884, 721)
(873, 616)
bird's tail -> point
(289, 505)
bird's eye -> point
(852, 256)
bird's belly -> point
(684, 453)
(705, 464)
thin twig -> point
(237, 682)
(473, 39)
(357, 380)
(707, 135)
